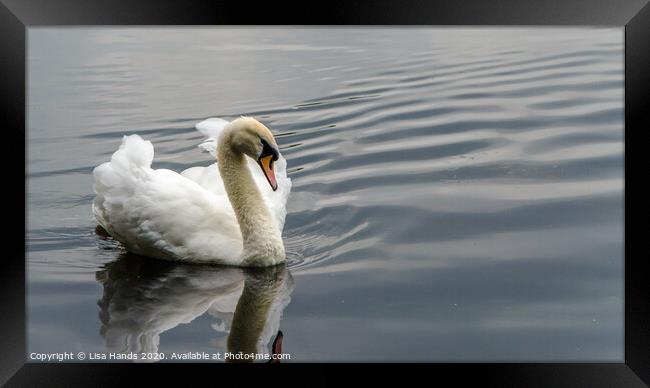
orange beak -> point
(266, 162)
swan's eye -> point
(268, 149)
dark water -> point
(457, 193)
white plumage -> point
(188, 216)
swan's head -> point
(252, 138)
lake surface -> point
(457, 192)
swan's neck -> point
(260, 234)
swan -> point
(230, 213)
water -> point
(457, 193)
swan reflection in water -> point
(143, 298)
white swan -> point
(231, 212)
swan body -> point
(231, 212)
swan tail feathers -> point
(133, 152)
(115, 181)
(132, 161)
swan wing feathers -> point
(160, 212)
(210, 179)
(211, 128)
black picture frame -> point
(16, 16)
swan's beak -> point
(266, 163)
